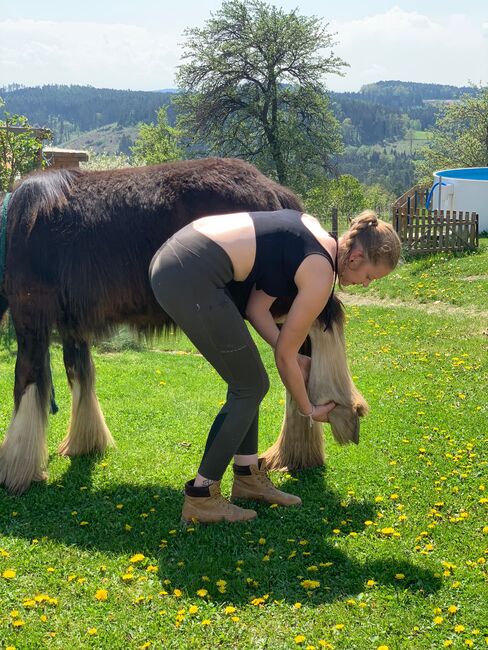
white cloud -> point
(103, 55)
(396, 44)
(411, 47)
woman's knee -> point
(265, 385)
(253, 389)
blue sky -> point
(138, 45)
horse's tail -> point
(39, 195)
(288, 200)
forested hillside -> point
(382, 124)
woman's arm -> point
(314, 280)
(259, 315)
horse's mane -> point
(41, 193)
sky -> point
(137, 44)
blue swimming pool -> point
(463, 190)
(468, 173)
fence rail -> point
(431, 231)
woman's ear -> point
(356, 257)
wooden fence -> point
(431, 231)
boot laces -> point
(222, 501)
(263, 478)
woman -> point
(198, 277)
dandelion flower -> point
(101, 594)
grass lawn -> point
(389, 549)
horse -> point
(77, 252)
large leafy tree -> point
(459, 137)
(253, 86)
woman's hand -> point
(304, 362)
(321, 412)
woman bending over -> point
(219, 270)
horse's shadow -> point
(272, 555)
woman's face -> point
(359, 271)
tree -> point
(253, 87)
(459, 137)
(19, 149)
(345, 193)
(157, 143)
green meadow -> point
(389, 549)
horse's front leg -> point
(88, 432)
(23, 455)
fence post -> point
(335, 227)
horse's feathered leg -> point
(23, 455)
(88, 431)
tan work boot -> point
(207, 505)
(258, 486)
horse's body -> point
(78, 251)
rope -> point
(3, 235)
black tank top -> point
(282, 243)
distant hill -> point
(69, 110)
(375, 111)
(382, 124)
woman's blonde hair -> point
(378, 240)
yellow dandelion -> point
(138, 557)
(299, 639)
(459, 628)
(387, 531)
(193, 609)
(9, 574)
(18, 622)
(297, 605)
(230, 610)
(310, 584)
(452, 609)
(447, 643)
(101, 594)
(202, 593)
(339, 626)
(438, 620)
(92, 631)
(206, 621)
(177, 593)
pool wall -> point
(463, 189)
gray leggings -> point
(188, 275)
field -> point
(389, 549)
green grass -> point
(452, 278)
(419, 474)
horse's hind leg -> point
(23, 455)
(88, 432)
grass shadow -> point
(270, 555)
